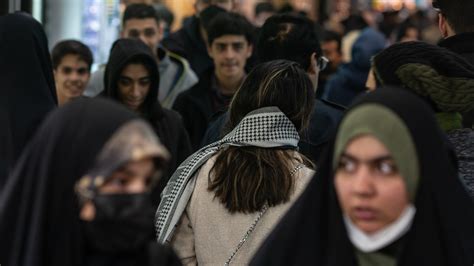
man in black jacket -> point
(456, 23)
(229, 45)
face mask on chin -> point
(122, 223)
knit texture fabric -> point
(433, 72)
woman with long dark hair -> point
(227, 197)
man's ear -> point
(443, 26)
(122, 33)
(313, 66)
(161, 32)
(249, 51)
(209, 50)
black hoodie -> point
(166, 123)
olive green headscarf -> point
(382, 123)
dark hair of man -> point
(286, 8)
(229, 23)
(246, 178)
(264, 7)
(67, 47)
(290, 37)
(459, 14)
(139, 11)
(208, 14)
(163, 13)
(332, 36)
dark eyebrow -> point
(382, 158)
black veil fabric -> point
(442, 233)
(40, 214)
(27, 90)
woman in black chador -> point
(80, 193)
(386, 193)
(27, 91)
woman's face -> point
(133, 177)
(133, 85)
(369, 187)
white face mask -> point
(384, 237)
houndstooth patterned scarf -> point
(266, 127)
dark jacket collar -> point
(462, 43)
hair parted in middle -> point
(246, 178)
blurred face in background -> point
(146, 29)
(332, 52)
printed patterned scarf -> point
(266, 127)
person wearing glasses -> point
(456, 25)
(293, 38)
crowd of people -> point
(280, 141)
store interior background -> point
(97, 22)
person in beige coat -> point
(223, 201)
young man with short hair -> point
(230, 38)
(72, 61)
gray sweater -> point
(463, 143)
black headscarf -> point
(27, 91)
(39, 209)
(123, 52)
(313, 231)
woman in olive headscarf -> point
(79, 194)
(385, 194)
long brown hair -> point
(245, 178)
